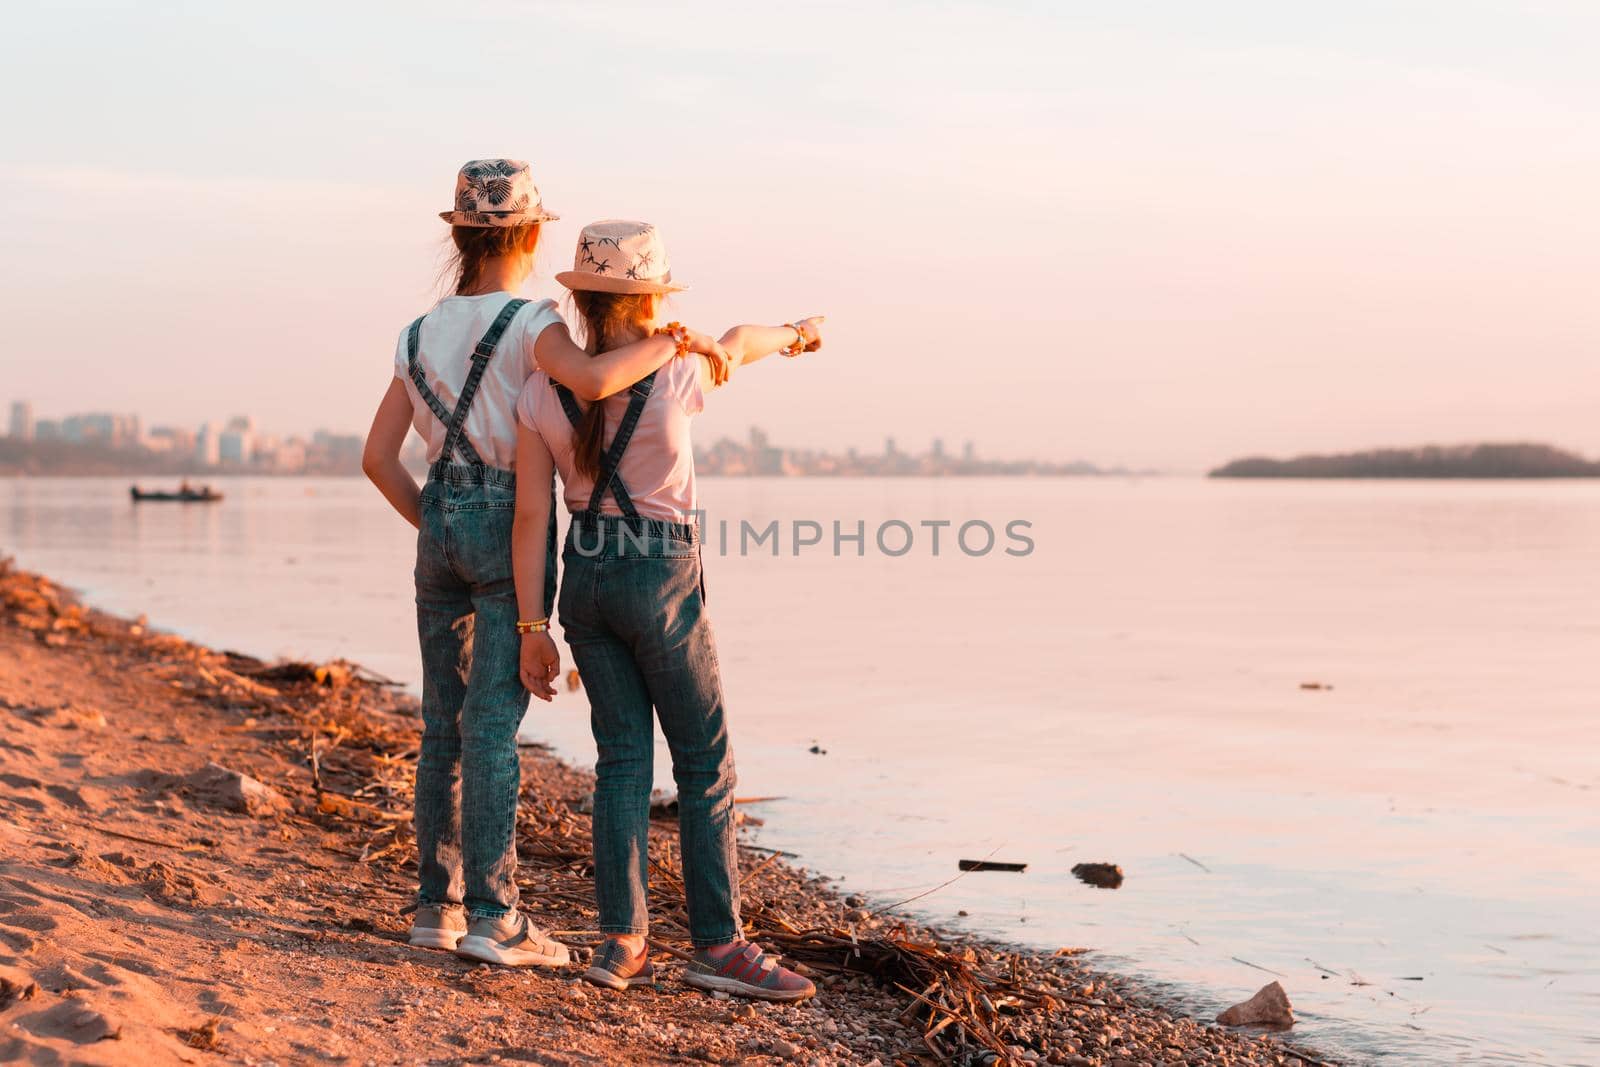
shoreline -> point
(291, 896)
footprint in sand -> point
(217, 1004)
(127, 963)
(14, 901)
(82, 797)
(19, 885)
(16, 940)
(92, 866)
(35, 922)
(71, 1020)
(64, 978)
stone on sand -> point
(1269, 1007)
(220, 787)
(1100, 875)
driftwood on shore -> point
(990, 865)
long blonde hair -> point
(610, 320)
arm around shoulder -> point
(595, 377)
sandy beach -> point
(206, 858)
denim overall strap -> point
(569, 404)
(455, 438)
(609, 479)
(420, 380)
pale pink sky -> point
(1159, 233)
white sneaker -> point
(511, 941)
(438, 926)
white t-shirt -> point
(444, 349)
(657, 467)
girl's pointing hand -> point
(811, 330)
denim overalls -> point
(468, 774)
(633, 610)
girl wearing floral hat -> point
(633, 610)
(457, 373)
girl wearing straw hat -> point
(633, 609)
(457, 373)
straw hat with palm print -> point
(496, 192)
(617, 256)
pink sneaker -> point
(615, 969)
(743, 970)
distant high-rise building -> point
(334, 453)
(764, 459)
(888, 446)
(235, 446)
(969, 452)
(938, 448)
(206, 445)
(83, 428)
(284, 455)
(101, 427)
(169, 439)
(22, 420)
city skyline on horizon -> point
(213, 435)
(122, 429)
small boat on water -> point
(184, 494)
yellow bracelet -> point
(533, 626)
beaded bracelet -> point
(533, 626)
(679, 335)
(800, 343)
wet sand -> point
(155, 911)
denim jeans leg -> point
(624, 732)
(678, 658)
(441, 603)
(491, 771)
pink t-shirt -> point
(658, 466)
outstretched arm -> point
(746, 344)
(540, 660)
(594, 377)
(380, 459)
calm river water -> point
(1415, 850)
